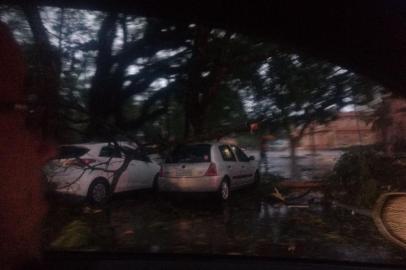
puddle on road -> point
(247, 225)
(310, 166)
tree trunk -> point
(186, 125)
(192, 102)
(60, 30)
(198, 100)
(294, 170)
(102, 88)
(263, 150)
(117, 174)
(386, 142)
(313, 149)
(48, 65)
(198, 119)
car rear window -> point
(110, 151)
(190, 154)
(71, 151)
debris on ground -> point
(76, 234)
(276, 194)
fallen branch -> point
(301, 184)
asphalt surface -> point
(251, 224)
(311, 167)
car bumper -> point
(190, 184)
(52, 193)
(74, 188)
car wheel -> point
(224, 190)
(99, 192)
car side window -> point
(139, 155)
(136, 154)
(110, 151)
(240, 154)
(129, 152)
(226, 153)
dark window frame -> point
(237, 150)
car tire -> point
(99, 192)
(224, 191)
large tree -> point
(111, 81)
(291, 92)
(122, 74)
(43, 80)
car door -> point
(113, 159)
(250, 167)
(141, 170)
(246, 173)
(230, 164)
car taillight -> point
(83, 162)
(161, 172)
(212, 170)
(87, 161)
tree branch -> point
(123, 22)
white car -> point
(208, 167)
(87, 170)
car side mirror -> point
(252, 158)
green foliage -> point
(12, 16)
(294, 90)
(362, 173)
(248, 140)
(112, 65)
(226, 110)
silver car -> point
(208, 167)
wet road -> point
(311, 167)
(250, 224)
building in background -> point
(390, 124)
(350, 128)
(387, 124)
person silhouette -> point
(23, 151)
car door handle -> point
(242, 166)
(229, 166)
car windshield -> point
(190, 154)
(246, 145)
(71, 152)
